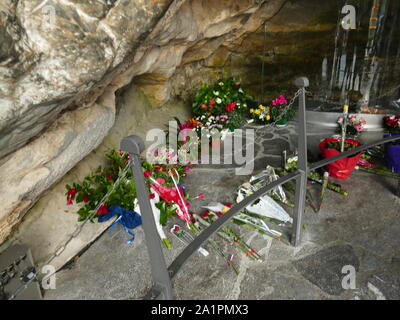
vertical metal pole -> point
(134, 145)
(301, 181)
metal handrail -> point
(162, 287)
(216, 225)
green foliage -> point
(166, 211)
(337, 145)
(276, 111)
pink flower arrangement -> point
(355, 125)
(392, 123)
(279, 101)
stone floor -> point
(361, 231)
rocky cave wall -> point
(60, 75)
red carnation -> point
(205, 214)
(147, 174)
(152, 195)
(86, 199)
(212, 102)
(102, 209)
(109, 176)
(230, 107)
(203, 106)
(72, 192)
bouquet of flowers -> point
(261, 115)
(226, 233)
(354, 125)
(225, 98)
(279, 111)
(95, 186)
(164, 183)
(275, 112)
(392, 123)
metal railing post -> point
(162, 288)
(301, 181)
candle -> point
(344, 126)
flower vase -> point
(342, 168)
(392, 154)
(282, 123)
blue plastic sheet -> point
(127, 219)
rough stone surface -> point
(27, 173)
(324, 269)
(61, 50)
(64, 56)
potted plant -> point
(340, 169)
(392, 150)
(279, 113)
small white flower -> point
(216, 93)
(221, 83)
(240, 90)
(223, 134)
(218, 100)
